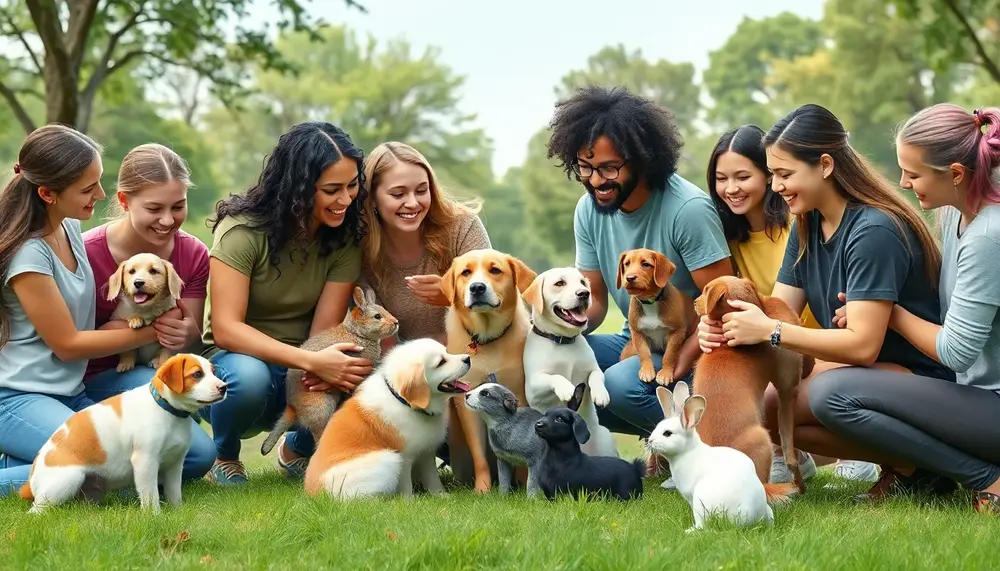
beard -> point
(623, 189)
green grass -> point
(271, 524)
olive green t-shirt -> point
(282, 299)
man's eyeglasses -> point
(607, 172)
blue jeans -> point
(109, 383)
(634, 408)
(27, 420)
(254, 401)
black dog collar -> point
(158, 398)
(659, 297)
(400, 398)
(557, 339)
(478, 341)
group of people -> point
(901, 327)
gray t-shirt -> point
(26, 362)
(969, 342)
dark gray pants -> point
(950, 429)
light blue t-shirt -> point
(969, 341)
(679, 222)
(26, 362)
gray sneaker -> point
(781, 474)
(669, 484)
(856, 470)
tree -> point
(736, 78)
(375, 92)
(74, 47)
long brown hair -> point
(54, 157)
(434, 230)
(812, 131)
(144, 166)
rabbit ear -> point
(359, 297)
(681, 394)
(694, 408)
(370, 296)
(666, 403)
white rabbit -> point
(713, 479)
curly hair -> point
(642, 131)
(747, 141)
(281, 203)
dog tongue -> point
(140, 297)
(577, 314)
(464, 387)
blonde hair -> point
(144, 166)
(434, 231)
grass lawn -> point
(271, 524)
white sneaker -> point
(781, 474)
(856, 470)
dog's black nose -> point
(630, 279)
(582, 294)
(139, 283)
(540, 424)
(466, 359)
(477, 288)
(222, 389)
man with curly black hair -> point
(624, 149)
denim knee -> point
(250, 396)
(201, 455)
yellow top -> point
(759, 259)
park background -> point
(472, 85)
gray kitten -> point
(511, 432)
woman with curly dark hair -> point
(624, 149)
(284, 260)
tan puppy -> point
(734, 380)
(146, 286)
(487, 319)
(391, 427)
(139, 437)
(660, 317)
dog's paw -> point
(664, 377)
(136, 322)
(564, 391)
(599, 394)
(124, 366)
(647, 373)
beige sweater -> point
(416, 318)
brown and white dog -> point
(488, 319)
(734, 380)
(660, 317)
(140, 436)
(391, 427)
(146, 286)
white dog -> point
(139, 436)
(391, 427)
(556, 356)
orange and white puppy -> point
(146, 286)
(557, 358)
(487, 318)
(139, 437)
(391, 427)
(660, 317)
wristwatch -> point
(776, 335)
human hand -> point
(177, 329)
(747, 325)
(840, 316)
(332, 369)
(710, 335)
(427, 288)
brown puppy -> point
(488, 320)
(735, 379)
(660, 317)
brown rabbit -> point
(366, 324)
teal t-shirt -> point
(679, 221)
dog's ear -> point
(666, 403)
(448, 284)
(575, 402)
(410, 384)
(621, 270)
(115, 282)
(523, 275)
(714, 294)
(663, 268)
(533, 295)
(580, 430)
(174, 281)
(694, 408)
(171, 374)
(510, 403)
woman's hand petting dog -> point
(332, 369)
(748, 325)
(427, 289)
(177, 329)
(710, 334)
(840, 316)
